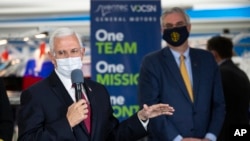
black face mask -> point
(176, 36)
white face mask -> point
(66, 65)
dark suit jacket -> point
(236, 88)
(43, 109)
(6, 115)
(160, 81)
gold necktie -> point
(185, 77)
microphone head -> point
(77, 76)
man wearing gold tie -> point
(187, 79)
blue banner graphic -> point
(122, 32)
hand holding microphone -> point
(78, 111)
(77, 81)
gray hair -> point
(61, 32)
(175, 10)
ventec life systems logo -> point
(107, 10)
(114, 8)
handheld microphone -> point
(77, 80)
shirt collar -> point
(66, 81)
(177, 54)
(222, 61)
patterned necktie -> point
(87, 121)
(185, 77)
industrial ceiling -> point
(21, 18)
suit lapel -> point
(59, 90)
(174, 70)
(195, 66)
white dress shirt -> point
(68, 85)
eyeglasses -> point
(64, 54)
(171, 26)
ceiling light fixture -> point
(41, 35)
(26, 39)
(3, 42)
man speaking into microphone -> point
(61, 108)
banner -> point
(122, 32)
